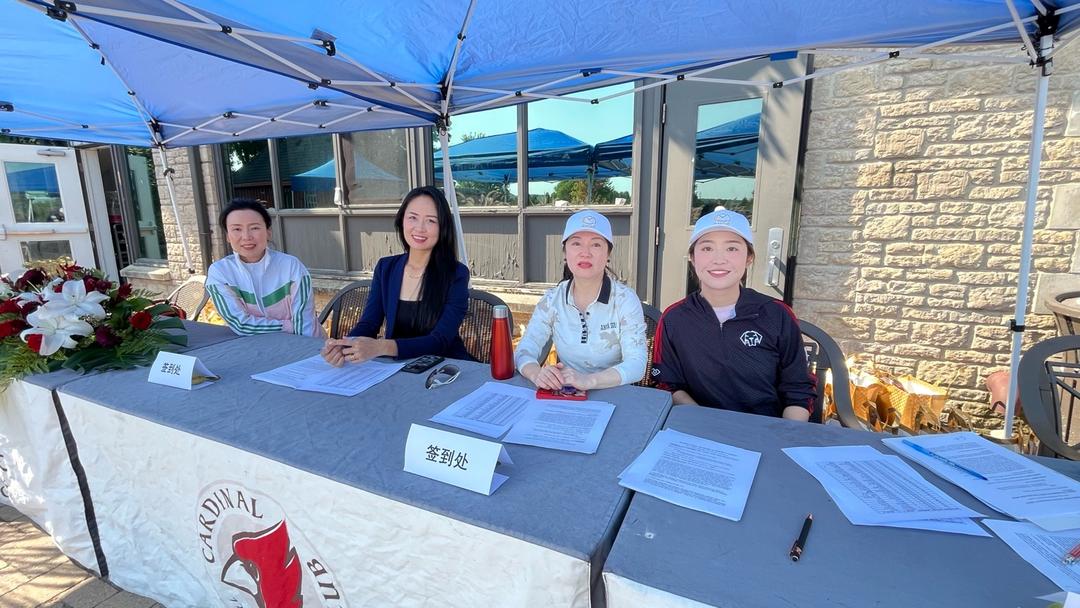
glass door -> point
(42, 212)
(734, 146)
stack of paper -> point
(874, 489)
(315, 374)
(1042, 549)
(1010, 483)
(495, 408)
(695, 473)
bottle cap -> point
(500, 311)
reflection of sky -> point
(605, 121)
(713, 115)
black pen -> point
(797, 546)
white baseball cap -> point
(722, 219)
(588, 221)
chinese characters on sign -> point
(457, 460)
(170, 368)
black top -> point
(407, 322)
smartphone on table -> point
(568, 393)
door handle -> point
(775, 266)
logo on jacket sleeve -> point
(750, 338)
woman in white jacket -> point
(257, 290)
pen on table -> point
(1072, 555)
(797, 546)
(922, 450)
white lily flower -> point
(72, 300)
(56, 331)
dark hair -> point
(240, 204)
(442, 267)
(567, 275)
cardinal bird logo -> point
(264, 565)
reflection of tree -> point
(480, 194)
(32, 141)
(242, 152)
(700, 206)
(576, 192)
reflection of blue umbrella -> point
(553, 156)
(322, 178)
(36, 178)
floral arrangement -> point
(59, 315)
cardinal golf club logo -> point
(255, 557)
(750, 338)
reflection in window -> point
(35, 192)
(376, 166)
(725, 159)
(248, 163)
(37, 251)
(483, 158)
(308, 172)
(580, 154)
(144, 195)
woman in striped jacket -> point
(258, 290)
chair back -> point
(190, 297)
(475, 328)
(1049, 380)
(652, 320)
(345, 309)
(823, 354)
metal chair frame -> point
(823, 354)
(337, 308)
(1049, 373)
(174, 297)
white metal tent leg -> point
(1046, 45)
(167, 171)
(451, 194)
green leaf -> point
(167, 323)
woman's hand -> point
(331, 352)
(360, 349)
(549, 377)
(576, 379)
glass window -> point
(580, 154)
(248, 164)
(483, 157)
(36, 251)
(725, 159)
(376, 166)
(144, 196)
(308, 172)
(35, 192)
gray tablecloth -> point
(746, 564)
(198, 335)
(564, 501)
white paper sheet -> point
(1015, 485)
(874, 488)
(1043, 550)
(295, 373)
(695, 473)
(573, 426)
(352, 378)
(490, 410)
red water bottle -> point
(502, 355)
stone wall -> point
(912, 213)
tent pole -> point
(167, 172)
(1046, 45)
(451, 192)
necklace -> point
(411, 275)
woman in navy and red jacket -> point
(726, 345)
(422, 294)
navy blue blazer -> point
(382, 304)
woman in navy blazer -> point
(422, 294)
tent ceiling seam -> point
(387, 82)
(1023, 31)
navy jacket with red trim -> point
(753, 363)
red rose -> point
(29, 278)
(29, 307)
(123, 292)
(105, 337)
(141, 320)
(90, 283)
(9, 306)
(34, 342)
(103, 285)
(12, 327)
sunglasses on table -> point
(443, 375)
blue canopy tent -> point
(180, 73)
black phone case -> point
(422, 364)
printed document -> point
(295, 373)
(873, 488)
(352, 378)
(695, 473)
(1015, 485)
(573, 426)
(489, 410)
(1043, 550)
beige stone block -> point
(999, 125)
(904, 180)
(992, 298)
(1013, 102)
(891, 194)
(931, 274)
(946, 373)
(887, 228)
(944, 184)
(1049, 284)
(881, 273)
(842, 128)
(940, 334)
(1065, 206)
(903, 65)
(904, 142)
(918, 351)
(904, 109)
(958, 255)
(985, 278)
(997, 193)
(943, 234)
(948, 291)
(874, 175)
(934, 78)
(999, 148)
(955, 105)
(1073, 121)
(948, 150)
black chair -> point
(652, 320)
(475, 328)
(823, 354)
(1049, 378)
(345, 309)
(190, 297)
